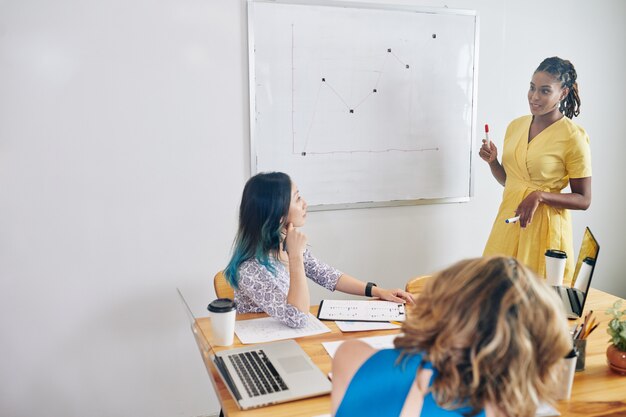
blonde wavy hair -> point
(494, 332)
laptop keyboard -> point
(257, 373)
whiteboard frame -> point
(374, 6)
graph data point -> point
(434, 35)
(351, 110)
(407, 65)
(374, 90)
(323, 80)
(388, 49)
(303, 153)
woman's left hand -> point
(528, 206)
(396, 295)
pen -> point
(588, 326)
(487, 135)
(590, 330)
(586, 320)
(512, 219)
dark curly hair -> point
(564, 71)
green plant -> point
(617, 328)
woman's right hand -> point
(298, 293)
(488, 152)
(296, 241)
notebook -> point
(574, 297)
(263, 374)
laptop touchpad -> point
(293, 364)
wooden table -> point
(597, 391)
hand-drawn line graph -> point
(351, 109)
(363, 103)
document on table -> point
(360, 326)
(377, 342)
(546, 410)
(361, 310)
(268, 329)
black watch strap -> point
(368, 289)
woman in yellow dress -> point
(542, 154)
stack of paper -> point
(268, 329)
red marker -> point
(487, 135)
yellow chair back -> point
(222, 287)
(416, 285)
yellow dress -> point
(558, 153)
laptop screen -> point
(586, 262)
(201, 339)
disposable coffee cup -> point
(582, 280)
(222, 312)
(566, 380)
(555, 266)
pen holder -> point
(580, 346)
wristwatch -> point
(368, 289)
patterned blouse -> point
(262, 291)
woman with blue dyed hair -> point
(270, 261)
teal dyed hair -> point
(262, 214)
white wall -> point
(123, 152)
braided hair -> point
(564, 71)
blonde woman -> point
(485, 337)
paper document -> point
(268, 329)
(361, 310)
(377, 342)
(546, 410)
(360, 326)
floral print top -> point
(260, 290)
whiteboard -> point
(363, 104)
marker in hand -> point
(512, 219)
(487, 136)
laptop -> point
(574, 297)
(263, 374)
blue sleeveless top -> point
(380, 387)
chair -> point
(222, 287)
(416, 285)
